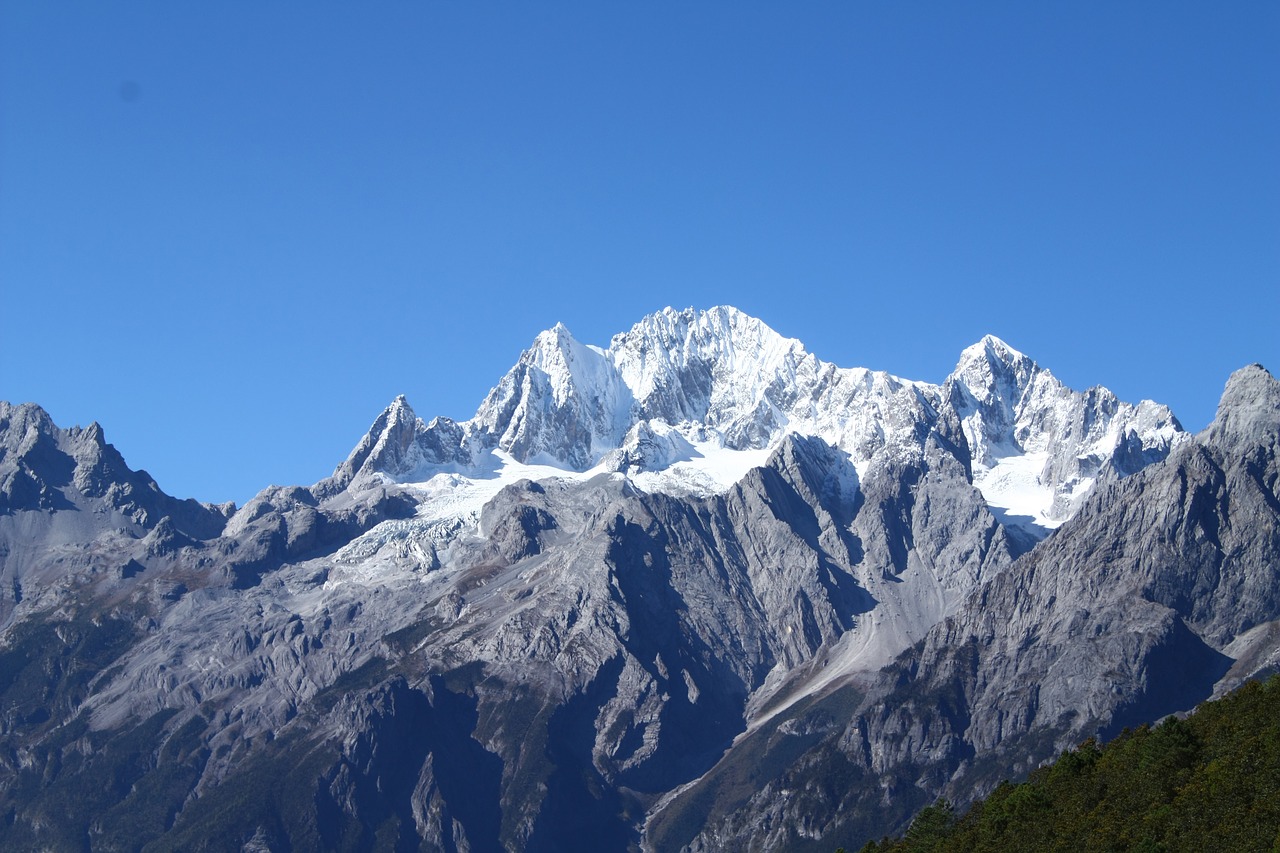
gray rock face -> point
(1142, 606)
(46, 468)
(71, 510)
(580, 629)
(422, 652)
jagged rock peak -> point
(694, 365)
(1249, 409)
(721, 332)
(22, 423)
(563, 402)
(690, 332)
(989, 389)
(16, 420)
(1023, 425)
(992, 348)
(569, 404)
(994, 371)
(387, 446)
(43, 466)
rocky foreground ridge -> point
(695, 590)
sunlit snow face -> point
(706, 468)
(688, 402)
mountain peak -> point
(993, 350)
(718, 322)
(994, 373)
(562, 402)
(16, 420)
(556, 349)
(719, 367)
(1248, 379)
(555, 335)
(1249, 408)
(388, 445)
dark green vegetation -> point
(1211, 781)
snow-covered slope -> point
(687, 402)
(1036, 447)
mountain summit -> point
(697, 398)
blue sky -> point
(232, 233)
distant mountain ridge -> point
(695, 590)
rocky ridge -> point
(1161, 592)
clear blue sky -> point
(233, 232)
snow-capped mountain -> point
(696, 589)
(695, 399)
(1036, 446)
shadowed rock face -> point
(595, 646)
(46, 468)
(575, 663)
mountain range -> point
(697, 590)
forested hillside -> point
(1210, 781)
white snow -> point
(711, 469)
(714, 470)
(1014, 489)
(453, 495)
